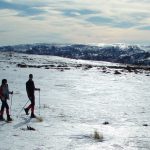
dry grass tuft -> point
(45, 106)
(39, 119)
(98, 136)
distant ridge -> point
(118, 53)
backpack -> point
(0, 91)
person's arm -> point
(1, 94)
(36, 89)
(10, 92)
(27, 89)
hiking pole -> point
(22, 108)
(39, 103)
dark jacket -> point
(4, 92)
(30, 88)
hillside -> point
(77, 98)
(118, 53)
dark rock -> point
(52, 65)
(106, 122)
(145, 125)
(136, 71)
(104, 68)
(23, 65)
(104, 71)
(129, 69)
(79, 65)
(87, 67)
(30, 128)
(117, 72)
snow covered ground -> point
(75, 103)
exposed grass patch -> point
(39, 119)
(98, 136)
(45, 106)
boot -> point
(32, 115)
(1, 118)
(9, 118)
(26, 111)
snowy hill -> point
(118, 53)
(77, 97)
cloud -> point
(100, 20)
(22, 9)
(74, 20)
(3, 31)
(112, 22)
(124, 24)
(77, 12)
(40, 18)
(31, 12)
(145, 28)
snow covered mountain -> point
(118, 53)
(77, 98)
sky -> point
(74, 21)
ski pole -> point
(39, 103)
(22, 108)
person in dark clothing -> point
(4, 96)
(30, 88)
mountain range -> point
(118, 53)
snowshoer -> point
(4, 96)
(30, 88)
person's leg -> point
(2, 110)
(27, 109)
(7, 108)
(32, 107)
(7, 112)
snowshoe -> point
(1, 118)
(9, 118)
(26, 111)
(32, 116)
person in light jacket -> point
(4, 96)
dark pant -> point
(4, 105)
(32, 99)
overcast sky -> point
(74, 21)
